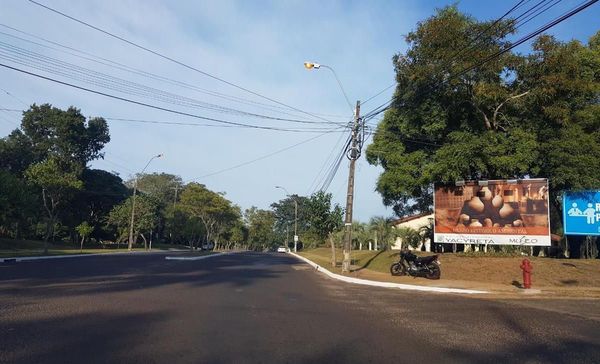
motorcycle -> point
(410, 264)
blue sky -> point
(259, 45)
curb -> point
(216, 254)
(24, 259)
(198, 257)
(367, 282)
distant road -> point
(266, 308)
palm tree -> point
(383, 231)
(409, 236)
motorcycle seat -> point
(427, 260)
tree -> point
(261, 223)
(57, 182)
(213, 209)
(51, 151)
(84, 230)
(145, 218)
(286, 217)
(18, 201)
(514, 117)
(383, 231)
(408, 237)
(64, 134)
(16, 153)
(321, 218)
(162, 187)
(441, 133)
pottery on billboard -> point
(499, 212)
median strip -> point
(387, 284)
(215, 254)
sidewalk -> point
(479, 289)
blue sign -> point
(581, 213)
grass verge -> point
(29, 248)
(547, 272)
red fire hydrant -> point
(527, 268)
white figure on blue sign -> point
(589, 213)
(574, 211)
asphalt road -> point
(266, 308)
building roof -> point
(410, 218)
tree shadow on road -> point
(89, 276)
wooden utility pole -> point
(353, 154)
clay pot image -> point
(497, 201)
(476, 205)
(506, 211)
(475, 223)
(485, 193)
(464, 218)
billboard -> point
(581, 213)
(501, 212)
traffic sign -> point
(581, 213)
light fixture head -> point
(311, 65)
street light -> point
(295, 218)
(133, 201)
(313, 65)
(353, 155)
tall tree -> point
(146, 216)
(285, 215)
(213, 209)
(57, 181)
(514, 117)
(64, 134)
(164, 188)
(261, 224)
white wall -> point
(415, 224)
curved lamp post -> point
(316, 66)
(130, 245)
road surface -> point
(266, 308)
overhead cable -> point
(156, 53)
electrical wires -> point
(158, 54)
(526, 16)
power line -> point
(463, 48)
(298, 130)
(522, 40)
(117, 84)
(335, 147)
(262, 157)
(304, 130)
(173, 60)
(136, 102)
(116, 65)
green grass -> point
(28, 248)
(378, 261)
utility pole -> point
(176, 188)
(295, 225)
(130, 243)
(135, 183)
(353, 154)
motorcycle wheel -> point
(398, 269)
(434, 272)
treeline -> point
(48, 192)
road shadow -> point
(368, 262)
(98, 275)
(76, 338)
